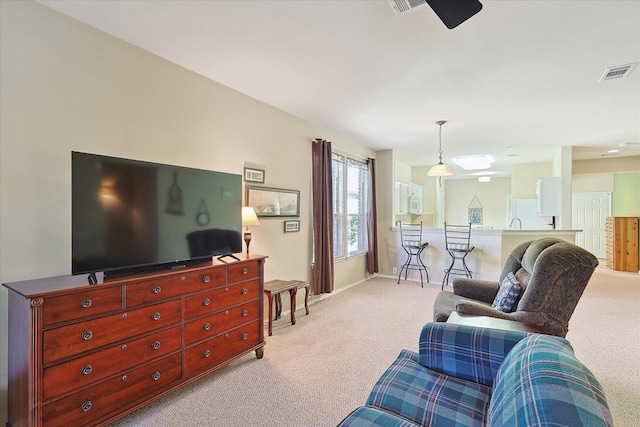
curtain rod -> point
(348, 153)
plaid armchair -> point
(468, 376)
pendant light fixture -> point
(440, 169)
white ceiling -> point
(517, 81)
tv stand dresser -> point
(86, 355)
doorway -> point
(588, 213)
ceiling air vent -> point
(402, 6)
(617, 72)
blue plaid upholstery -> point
(427, 397)
(466, 352)
(467, 376)
(366, 416)
(541, 383)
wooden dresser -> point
(84, 355)
(622, 243)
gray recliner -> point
(554, 274)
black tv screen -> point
(129, 215)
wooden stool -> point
(275, 288)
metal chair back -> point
(412, 243)
(458, 245)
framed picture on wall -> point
(292, 226)
(475, 216)
(254, 175)
(274, 202)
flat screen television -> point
(129, 216)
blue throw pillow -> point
(508, 295)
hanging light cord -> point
(440, 142)
(440, 123)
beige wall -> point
(592, 183)
(607, 165)
(524, 177)
(66, 86)
(460, 193)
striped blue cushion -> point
(541, 383)
(427, 397)
(466, 352)
(366, 416)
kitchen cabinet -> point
(548, 194)
(407, 198)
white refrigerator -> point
(526, 211)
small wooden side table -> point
(275, 288)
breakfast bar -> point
(492, 247)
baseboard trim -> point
(317, 298)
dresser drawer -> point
(220, 348)
(217, 299)
(73, 339)
(244, 271)
(214, 324)
(151, 291)
(81, 304)
(86, 406)
(77, 373)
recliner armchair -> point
(554, 274)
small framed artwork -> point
(475, 216)
(292, 225)
(254, 175)
(274, 202)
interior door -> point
(588, 213)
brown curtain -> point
(372, 220)
(322, 217)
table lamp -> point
(249, 217)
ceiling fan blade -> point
(455, 12)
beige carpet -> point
(316, 372)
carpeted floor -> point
(316, 372)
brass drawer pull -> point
(206, 279)
(155, 376)
(207, 353)
(245, 291)
(206, 302)
(86, 303)
(86, 406)
(245, 336)
(156, 289)
(206, 326)
(87, 335)
(155, 345)
(245, 313)
(87, 370)
(156, 316)
(245, 271)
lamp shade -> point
(440, 170)
(249, 216)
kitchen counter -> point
(492, 247)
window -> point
(350, 181)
